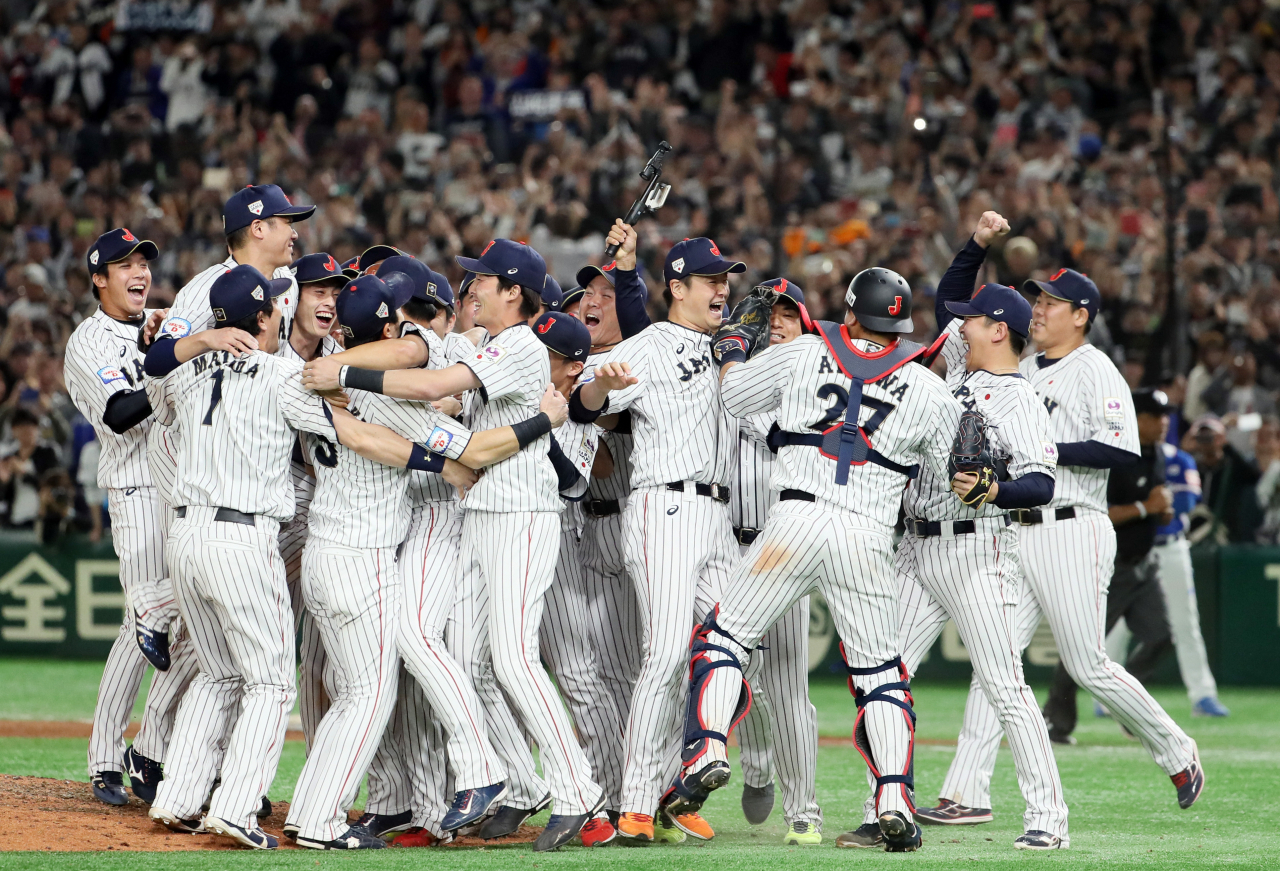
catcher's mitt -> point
(740, 336)
(969, 453)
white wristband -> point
(342, 381)
(1142, 510)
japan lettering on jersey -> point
(681, 431)
(513, 370)
(908, 416)
(1087, 400)
(362, 503)
(190, 312)
(101, 360)
(1018, 432)
(237, 422)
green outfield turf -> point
(1123, 812)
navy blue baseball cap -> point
(1000, 303)
(514, 261)
(407, 277)
(698, 256)
(439, 290)
(242, 291)
(467, 278)
(259, 202)
(115, 245)
(364, 307)
(313, 268)
(564, 334)
(590, 271)
(1074, 287)
(572, 295)
(350, 269)
(552, 295)
(373, 257)
(789, 289)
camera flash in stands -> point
(920, 124)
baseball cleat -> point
(291, 831)
(949, 813)
(144, 774)
(507, 820)
(154, 645)
(264, 810)
(691, 790)
(691, 824)
(900, 834)
(470, 805)
(175, 823)
(356, 837)
(253, 838)
(865, 835)
(560, 830)
(802, 835)
(1209, 706)
(108, 788)
(382, 824)
(416, 836)
(665, 831)
(1035, 839)
(1190, 782)
(638, 828)
(597, 833)
(757, 803)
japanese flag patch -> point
(110, 374)
(1112, 408)
(439, 440)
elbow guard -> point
(125, 410)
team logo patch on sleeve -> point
(109, 374)
(1112, 408)
(176, 328)
(439, 440)
(1050, 451)
(491, 352)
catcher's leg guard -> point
(709, 639)
(861, 737)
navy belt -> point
(1034, 516)
(796, 496)
(745, 535)
(713, 491)
(933, 528)
(601, 507)
(224, 515)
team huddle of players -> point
(439, 498)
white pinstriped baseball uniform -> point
(238, 421)
(429, 578)
(190, 312)
(101, 360)
(516, 503)
(1068, 565)
(679, 546)
(351, 585)
(841, 542)
(976, 578)
(781, 730)
(567, 648)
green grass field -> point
(1123, 812)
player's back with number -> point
(908, 416)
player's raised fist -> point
(321, 374)
(991, 226)
(624, 236)
(615, 376)
(554, 405)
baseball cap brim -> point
(964, 310)
(278, 286)
(571, 296)
(1034, 286)
(148, 249)
(296, 213)
(718, 267)
(474, 266)
(588, 272)
(376, 254)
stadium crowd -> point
(812, 138)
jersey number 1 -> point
(214, 397)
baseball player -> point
(1173, 557)
(568, 650)
(679, 545)
(516, 501)
(105, 380)
(238, 418)
(855, 421)
(1068, 548)
(782, 724)
(959, 558)
(319, 279)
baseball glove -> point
(740, 336)
(969, 453)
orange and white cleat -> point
(636, 827)
(693, 825)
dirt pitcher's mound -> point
(64, 815)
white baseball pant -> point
(680, 553)
(138, 534)
(313, 699)
(508, 564)
(976, 580)
(230, 585)
(409, 771)
(571, 656)
(1067, 565)
(1178, 582)
(354, 596)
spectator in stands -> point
(1228, 481)
(22, 464)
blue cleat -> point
(382, 824)
(144, 774)
(108, 787)
(1209, 706)
(470, 805)
(154, 645)
(1189, 782)
(562, 829)
(254, 838)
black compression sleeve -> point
(1094, 455)
(579, 413)
(422, 460)
(566, 472)
(126, 409)
(362, 379)
(529, 431)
